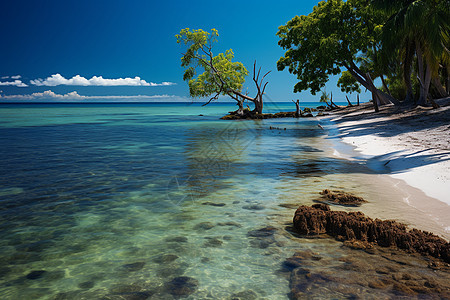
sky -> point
(126, 50)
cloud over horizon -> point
(74, 96)
(16, 82)
(58, 79)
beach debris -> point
(340, 198)
(355, 226)
(320, 126)
(276, 128)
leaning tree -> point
(327, 42)
(210, 75)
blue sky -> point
(117, 41)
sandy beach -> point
(408, 144)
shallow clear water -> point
(113, 199)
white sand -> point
(412, 145)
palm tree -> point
(421, 26)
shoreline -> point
(410, 145)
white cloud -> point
(16, 77)
(16, 82)
(58, 79)
(74, 96)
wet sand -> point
(412, 147)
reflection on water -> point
(149, 205)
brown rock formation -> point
(340, 197)
(319, 219)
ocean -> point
(165, 200)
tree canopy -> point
(220, 76)
(363, 40)
(210, 75)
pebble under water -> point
(152, 201)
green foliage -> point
(422, 23)
(329, 38)
(324, 97)
(348, 83)
(397, 87)
(205, 73)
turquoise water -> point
(114, 201)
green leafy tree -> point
(328, 39)
(210, 75)
(348, 83)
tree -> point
(328, 39)
(298, 111)
(419, 26)
(324, 97)
(348, 83)
(220, 76)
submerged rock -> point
(213, 242)
(177, 239)
(35, 274)
(253, 207)
(86, 284)
(263, 232)
(166, 258)
(319, 219)
(204, 226)
(182, 286)
(213, 204)
(341, 198)
(133, 267)
(262, 238)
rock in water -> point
(35, 274)
(133, 267)
(341, 198)
(319, 219)
(182, 286)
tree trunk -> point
(407, 73)
(385, 85)
(375, 101)
(379, 97)
(439, 88)
(240, 104)
(446, 72)
(332, 103)
(366, 81)
(357, 103)
(422, 81)
(349, 103)
(258, 104)
(297, 108)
